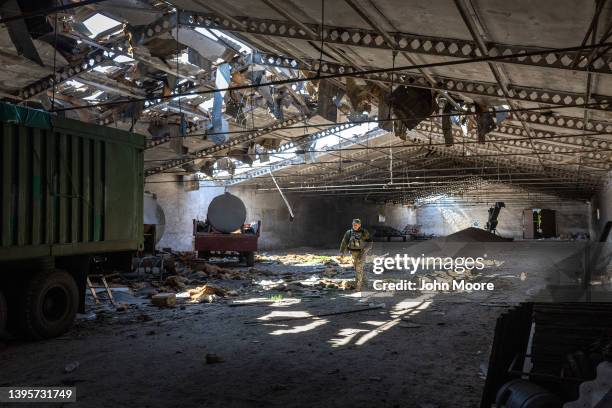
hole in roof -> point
(99, 23)
(123, 58)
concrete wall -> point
(180, 207)
(603, 202)
(572, 216)
(319, 221)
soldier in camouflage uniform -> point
(358, 241)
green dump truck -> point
(70, 190)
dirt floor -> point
(255, 343)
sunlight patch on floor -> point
(300, 329)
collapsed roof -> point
(415, 89)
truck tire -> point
(250, 258)
(3, 315)
(49, 304)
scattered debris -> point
(70, 367)
(164, 300)
(122, 306)
(206, 293)
(176, 282)
(473, 234)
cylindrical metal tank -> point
(226, 213)
(154, 215)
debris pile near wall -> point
(472, 234)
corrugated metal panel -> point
(72, 189)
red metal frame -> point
(217, 241)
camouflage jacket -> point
(356, 240)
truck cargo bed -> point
(68, 188)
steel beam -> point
(203, 153)
(457, 86)
(87, 62)
(405, 42)
(567, 122)
(284, 163)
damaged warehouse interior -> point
(265, 203)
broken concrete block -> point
(176, 282)
(164, 299)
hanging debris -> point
(219, 123)
(411, 106)
(447, 129)
(227, 164)
(360, 94)
(485, 121)
(243, 154)
(207, 167)
(328, 98)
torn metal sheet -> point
(194, 58)
(241, 154)
(485, 121)
(206, 47)
(219, 124)
(447, 129)
(270, 143)
(160, 131)
(384, 111)
(411, 105)
(18, 31)
(328, 100)
(207, 167)
(359, 95)
(227, 164)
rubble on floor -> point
(472, 234)
(302, 259)
(174, 279)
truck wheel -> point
(3, 315)
(250, 258)
(50, 303)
